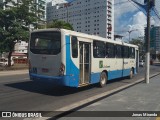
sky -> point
(128, 16)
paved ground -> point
(141, 97)
(15, 67)
(13, 72)
(17, 92)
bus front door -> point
(85, 63)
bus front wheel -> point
(103, 79)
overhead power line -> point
(131, 1)
(156, 12)
(119, 3)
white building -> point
(87, 16)
(8, 5)
(21, 47)
(40, 6)
(55, 2)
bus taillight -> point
(62, 69)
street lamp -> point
(130, 33)
(67, 5)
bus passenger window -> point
(74, 43)
(132, 52)
(119, 51)
(125, 52)
(110, 50)
(98, 49)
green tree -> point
(60, 24)
(140, 43)
(14, 25)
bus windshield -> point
(46, 42)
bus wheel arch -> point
(103, 78)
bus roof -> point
(92, 37)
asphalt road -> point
(18, 93)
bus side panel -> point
(127, 65)
(95, 78)
(126, 72)
(114, 74)
(71, 69)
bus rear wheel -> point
(103, 79)
(131, 74)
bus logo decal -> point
(100, 64)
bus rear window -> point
(47, 42)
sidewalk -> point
(141, 97)
(15, 67)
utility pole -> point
(150, 4)
(147, 64)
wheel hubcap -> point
(103, 80)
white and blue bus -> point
(74, 59)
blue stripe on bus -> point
(73, 81)
(71, 69)
(126, 72)
(95, 77)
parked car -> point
(141, 63)
(4, 62)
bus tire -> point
(131, 74)
(103, 79)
